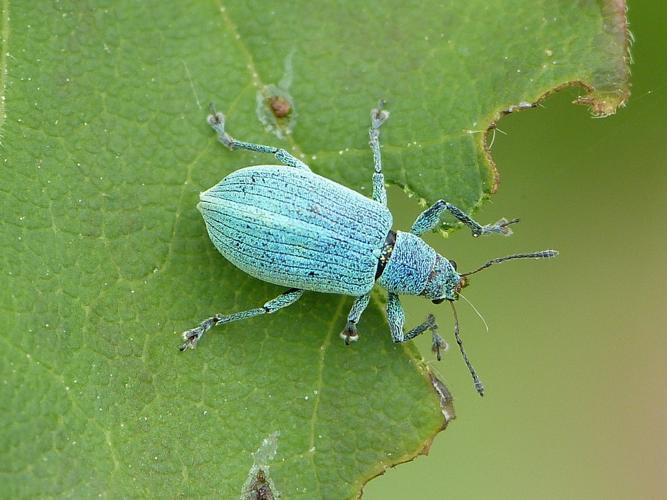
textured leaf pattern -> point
(104, 257)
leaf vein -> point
(320, 384)
(4, 36)
(252, 67)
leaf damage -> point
(446, 401)
(605, 92)
(259, 485)
(275, 107)
(444, 396)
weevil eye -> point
(438, 301)
(453, 264)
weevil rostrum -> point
(286, 225)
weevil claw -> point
(191, 338)
(349, 334)
(379, 115)
(217, 121)
(438, 346)
(503, 223)
(499, 227)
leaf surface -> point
(104, 257)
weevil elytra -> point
(289, 226)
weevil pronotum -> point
(289, 226)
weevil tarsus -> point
(378, 116)
(429, 220)
(350, 334)
(217, 121)
(194, 335)
(438, 344)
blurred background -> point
(574, 362)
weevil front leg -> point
(194, 335)
(217, 121)
(396, 320)
(429, 219)
(378, 117)
(350, 334)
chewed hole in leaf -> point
(259, 485)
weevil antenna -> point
(479, 386)
(544, 254)
(476, 311)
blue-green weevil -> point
(289, 226)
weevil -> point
(286, 225)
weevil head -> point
(415, 268)
(444, 282)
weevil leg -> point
(429, 219)
(217, 121)
(396, 320)
(378, 117)
(350, 334)
(194, 335)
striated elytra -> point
(286, 225)
(294, 228)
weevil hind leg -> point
(379, 115)
(217, 121)
(193, 336)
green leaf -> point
(104, 257)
